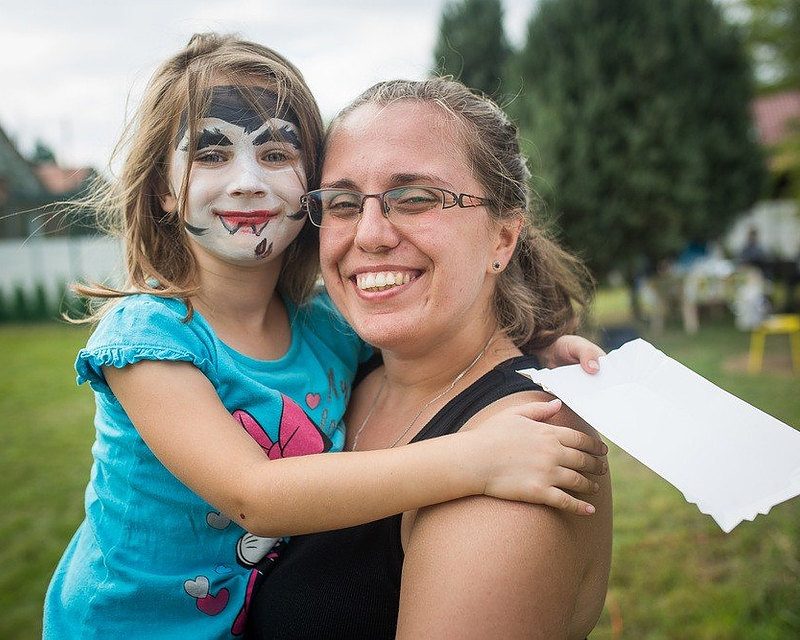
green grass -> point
(47, 433)
(674, 573)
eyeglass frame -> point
(458, 200)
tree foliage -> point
(472, 44)
(772, 29)
(639, 114)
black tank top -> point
(346, 583)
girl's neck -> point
(233, 292)
(243, 308)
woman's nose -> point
(374, 231)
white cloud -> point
(68, 68)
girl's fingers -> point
(558, 499)
(578, 440)
(583, 462)
(570, 480)
(539, 411)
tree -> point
(472, 44)
(42, 154)
(772, 29)
(639, 114)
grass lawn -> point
(674, 574)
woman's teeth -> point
(382, 280)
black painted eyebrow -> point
(210, 138)
(284, 134)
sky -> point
(72, 72)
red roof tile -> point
(60, 180)
(773, 115)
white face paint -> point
(243, 201)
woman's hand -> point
(531, 461)
(571, 349)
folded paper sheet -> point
(729, 458)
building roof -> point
(774, 115)
(61, 180)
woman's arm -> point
(178, 414)
(484, 568)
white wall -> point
(778, 225)
(54, 261)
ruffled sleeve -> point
(143, 327)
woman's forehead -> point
(406, 132)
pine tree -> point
(639, 115)
(472, 44)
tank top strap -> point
(501, 381)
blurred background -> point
(664, 141)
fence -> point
(34, 272)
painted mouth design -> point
(254, 221)
(383, 280)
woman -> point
(428, 249)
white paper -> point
(730, 459)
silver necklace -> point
(447, 390)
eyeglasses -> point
(401, 205)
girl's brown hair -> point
(158, 259)
(540, 294)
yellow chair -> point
(788, 324)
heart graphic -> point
(312, 400)
(212, 605)
(217, 520)
(222, 569)
(197, 588)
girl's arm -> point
(179, 415)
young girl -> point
(216, 366)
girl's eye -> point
(277, 156)
(210, 157)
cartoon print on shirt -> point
(297, 436)
(208, 603)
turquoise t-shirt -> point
(152, 559)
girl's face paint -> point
(243, 201)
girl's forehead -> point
(247, 107)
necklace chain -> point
(438, 396)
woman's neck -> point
(462, 356)
(396, 403)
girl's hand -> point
(571, 349)
(531, 461)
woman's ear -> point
(506, 234)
